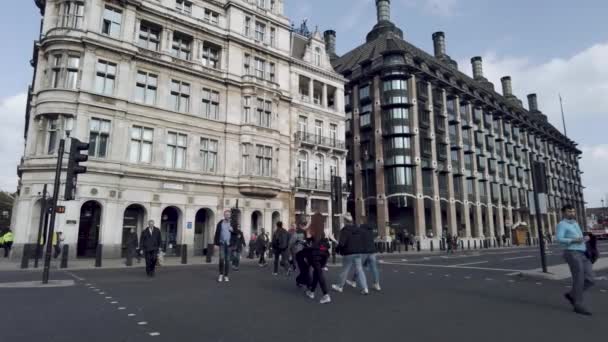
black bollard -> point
(64, 256)
(469, 244)
(461, 245)
(432, 246)
(184, 250)
(399, 248)
(129, 261)
(25, 256)
(474, 244)
(407, 247)
(98, 254)
(209, 256)
(494, 241)
(418, 245)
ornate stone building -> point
(189, 106)
(434, 151)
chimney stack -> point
(532, 103)
(330, 42)
(476, 62)
(507, 87)
(383, 9)
(439, 44)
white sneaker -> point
(376, 287)
(326, 270)
(351, 283)
(325, 299)
(365, 292)
(337, 288)
(226, 279)
(310, 295)
(220, 278)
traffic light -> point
(74, 167)
(234, 217)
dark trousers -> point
(7, 248)
(582, 275)
(262, 256)
(318, 277)
(57, 251)
(236, 258)
(303, 277)
(283, 256)
(151, 261)
(224, 259)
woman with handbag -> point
(318, 246)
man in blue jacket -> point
(570, 235)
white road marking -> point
(603, 291)
(121, 308)
(154, 334)
(131, 315)
(426, 258)
(142, 323)
(472, 263)
(108, 297)
(102, 293)
(489, 279)
(539, 283)
(403, 259)
(74, 276)
(114, 302)
(444, 257)
(381, 261)
(457, 266)
(521, 257)
(447, 275)
(412, 272)
(467, 277)
(87, 284)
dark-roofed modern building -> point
(434, 151)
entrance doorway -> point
(276, 217)
(170, 221)
(203, 225)
(88, 230)
(134, 218)
(256, 222)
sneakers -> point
(226, 279)
(325, 299)
(352, 284)
(220, 278)
(337, 288)
(310, 294)
(582, 311)
(365, 292)
(326, 270)
(376, 287)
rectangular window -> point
(247, 109)
(271, 72)
(364, 92)
(247, 26)
(140, 149)
(175, 156)
(261, 3)
(65, 71)
(263, 157)
(149, 36)
(105, 76)
(112, 19)
(211, 104)
(319, 130)
(260, 68)
(99, 134)
(145, 87)
(180, 96)
(246, 160)
(71, 14)
(53, 135)
(183, 6)
(182, 46)
(263, 115)
(273, 37)
(212, 17)
(211, 55)
(333, 134)
(260, 31)
(209, 155)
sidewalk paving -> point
(559, 272)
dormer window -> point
(317, 56)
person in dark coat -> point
(297, 248)
(318, 246)
(131, 244)
(149, 243)
(237, 243)
(262, 246)
(592, 252)
(223, 239)
(353, 242)
(280, 244)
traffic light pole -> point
(43, 209)
(49, 240)
(538, 178)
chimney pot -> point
(477, 64)
(532, 103)
(330, 42)
(383, 9)
(439, 44)
(507, 87)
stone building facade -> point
(189, 107)
(434, 151)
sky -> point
(549, 47)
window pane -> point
(92, 143)
(103, 144)
(148, 134)
(169, 152)
(134, 152)
(146, 152)
(136, 133)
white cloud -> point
(443, 8)
(12, 112)
(582, 81)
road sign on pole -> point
(540, 188)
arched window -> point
(303, 165)
(319, 167)
(333, 167)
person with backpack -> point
(262, 247)
(223, 239)
(318, 253)
(280, 244)
(236, 245)
(297, 248)
(351, 245)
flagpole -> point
(561, 104)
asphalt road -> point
(420, 302)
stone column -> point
(381, 203)
(489, 210)
(419, 219)
(311, 90)
(358, 176)
(436, 206)
(452, 217)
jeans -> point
(283, 256)
(318, 277)
(236, 258)
(262, 256)
(224, 259)
(301, 261)
(347, 263)
(370, 261)
(582, 275)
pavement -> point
(469, 296)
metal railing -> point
(313, 184)
(320, 140)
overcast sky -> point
(547, 46)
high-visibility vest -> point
(1, 239)
(8, 237)
(41, 242)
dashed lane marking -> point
(471, 263)
(131, 315)
(74, 276)
(521, 257)
(114, 302)
(539, 283)
(142, 323)
(122, 308)
(154, 334)
(467, 277)
(108, 297)
(489, 279)
(457, 266)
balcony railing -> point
(315, 139)
(313, 184)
